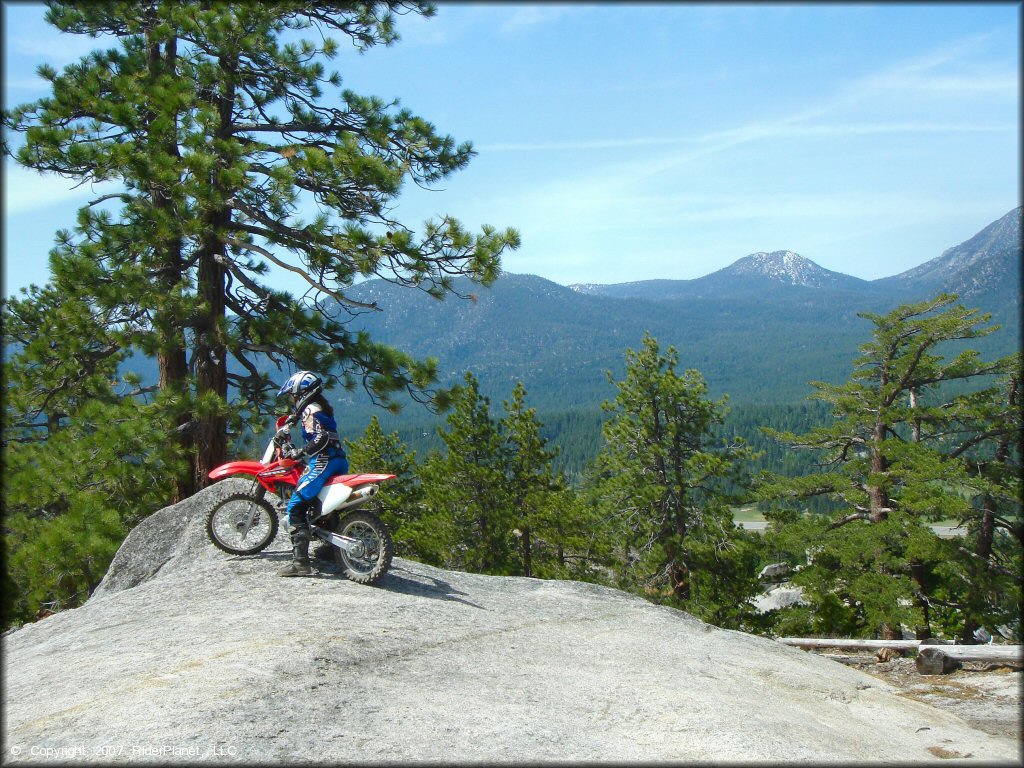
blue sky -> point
(633, 141)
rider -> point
(324, 455)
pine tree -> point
(83, 457)
(530, 476)
(494, 503)
(469, 486)
(576, 538)
(221, 136)
(892, 461)
(980, 582)
(399, 501)
(664, 480)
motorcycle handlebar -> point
(279, 455)
(284, 424)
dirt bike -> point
(245, 523)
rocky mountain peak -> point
(990, 260)
(781, 267)
(784, 267)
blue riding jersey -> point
(327, 457)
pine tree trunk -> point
(878, 499)
(924, 630)
(173, 371)
(679, 574)
(171, 356)
(680, 580)
(527, 554)
(90, 582)
(210, 355)
(915, 424)
(983, 548)
(986, 532)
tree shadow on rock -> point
(421, 585)
(323, 567)
(326, 566)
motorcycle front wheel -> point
(242, 524)
(374, 558)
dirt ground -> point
(987, 696)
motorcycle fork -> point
(258, 491)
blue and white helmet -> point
(302, 384)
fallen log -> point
(931, 661)
(938, 660)
(934, 657)
(847, 642)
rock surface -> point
(186, 654)
(779, 596)
(986, 696)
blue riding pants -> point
(317, 473)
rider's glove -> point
(282, 435)
(296, 454)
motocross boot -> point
(299, 565)
(299, 533)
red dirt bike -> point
(245, 523)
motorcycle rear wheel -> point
(378, 548)
(226, 524)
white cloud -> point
(57, 48)
(879, 94)
(860, 107)
(415, 30)
(35, 84)
(529, 16)
(952, 71)
(26, 191)
(543, 146)
(456, 21)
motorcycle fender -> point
(333, 496)
(236, 468)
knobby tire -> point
(266, 510)
(382, 560)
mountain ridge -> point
(987, 262)
(759, 346)
(991, 252)
(757, 336)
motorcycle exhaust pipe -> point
(357, 497)
(361, 494)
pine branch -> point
(1013, 575)
(301, 273)
(862, 515)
